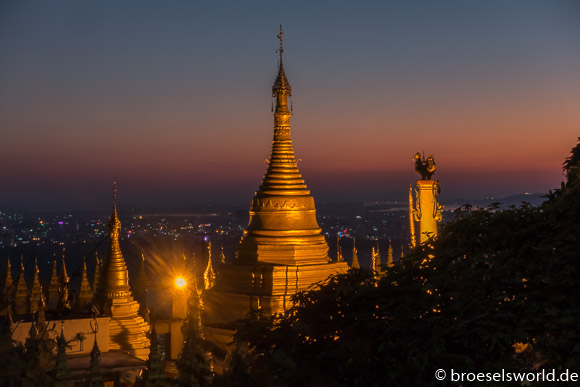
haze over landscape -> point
(173, 99)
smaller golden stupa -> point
(127, 330)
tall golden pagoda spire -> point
(355, 264)
(282, 250)
(127, 330)
(115, 277)
(283, 227)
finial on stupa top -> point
(281, 85)
(355, 264)
(114, 223)
(280, 37)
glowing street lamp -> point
(180, 282)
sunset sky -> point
(172, 98)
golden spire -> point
(53, 286)
(64, 281)
(36, 291)
(390, 261)
(354, 264)
(209, 273)
(378, 257)
(402, 252)
(281, 90)
(373, 259)
(127, 330)
(97, 274)
(21, 295)
(281, 85)
(64, 278)
(115, 277)
(85, 294)
(283, 227)
(8, 282)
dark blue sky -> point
(172, 98)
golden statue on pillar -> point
(425, 208)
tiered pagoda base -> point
(262, 288)
(127, 330)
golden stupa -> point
(283, 250)
(127, 330)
